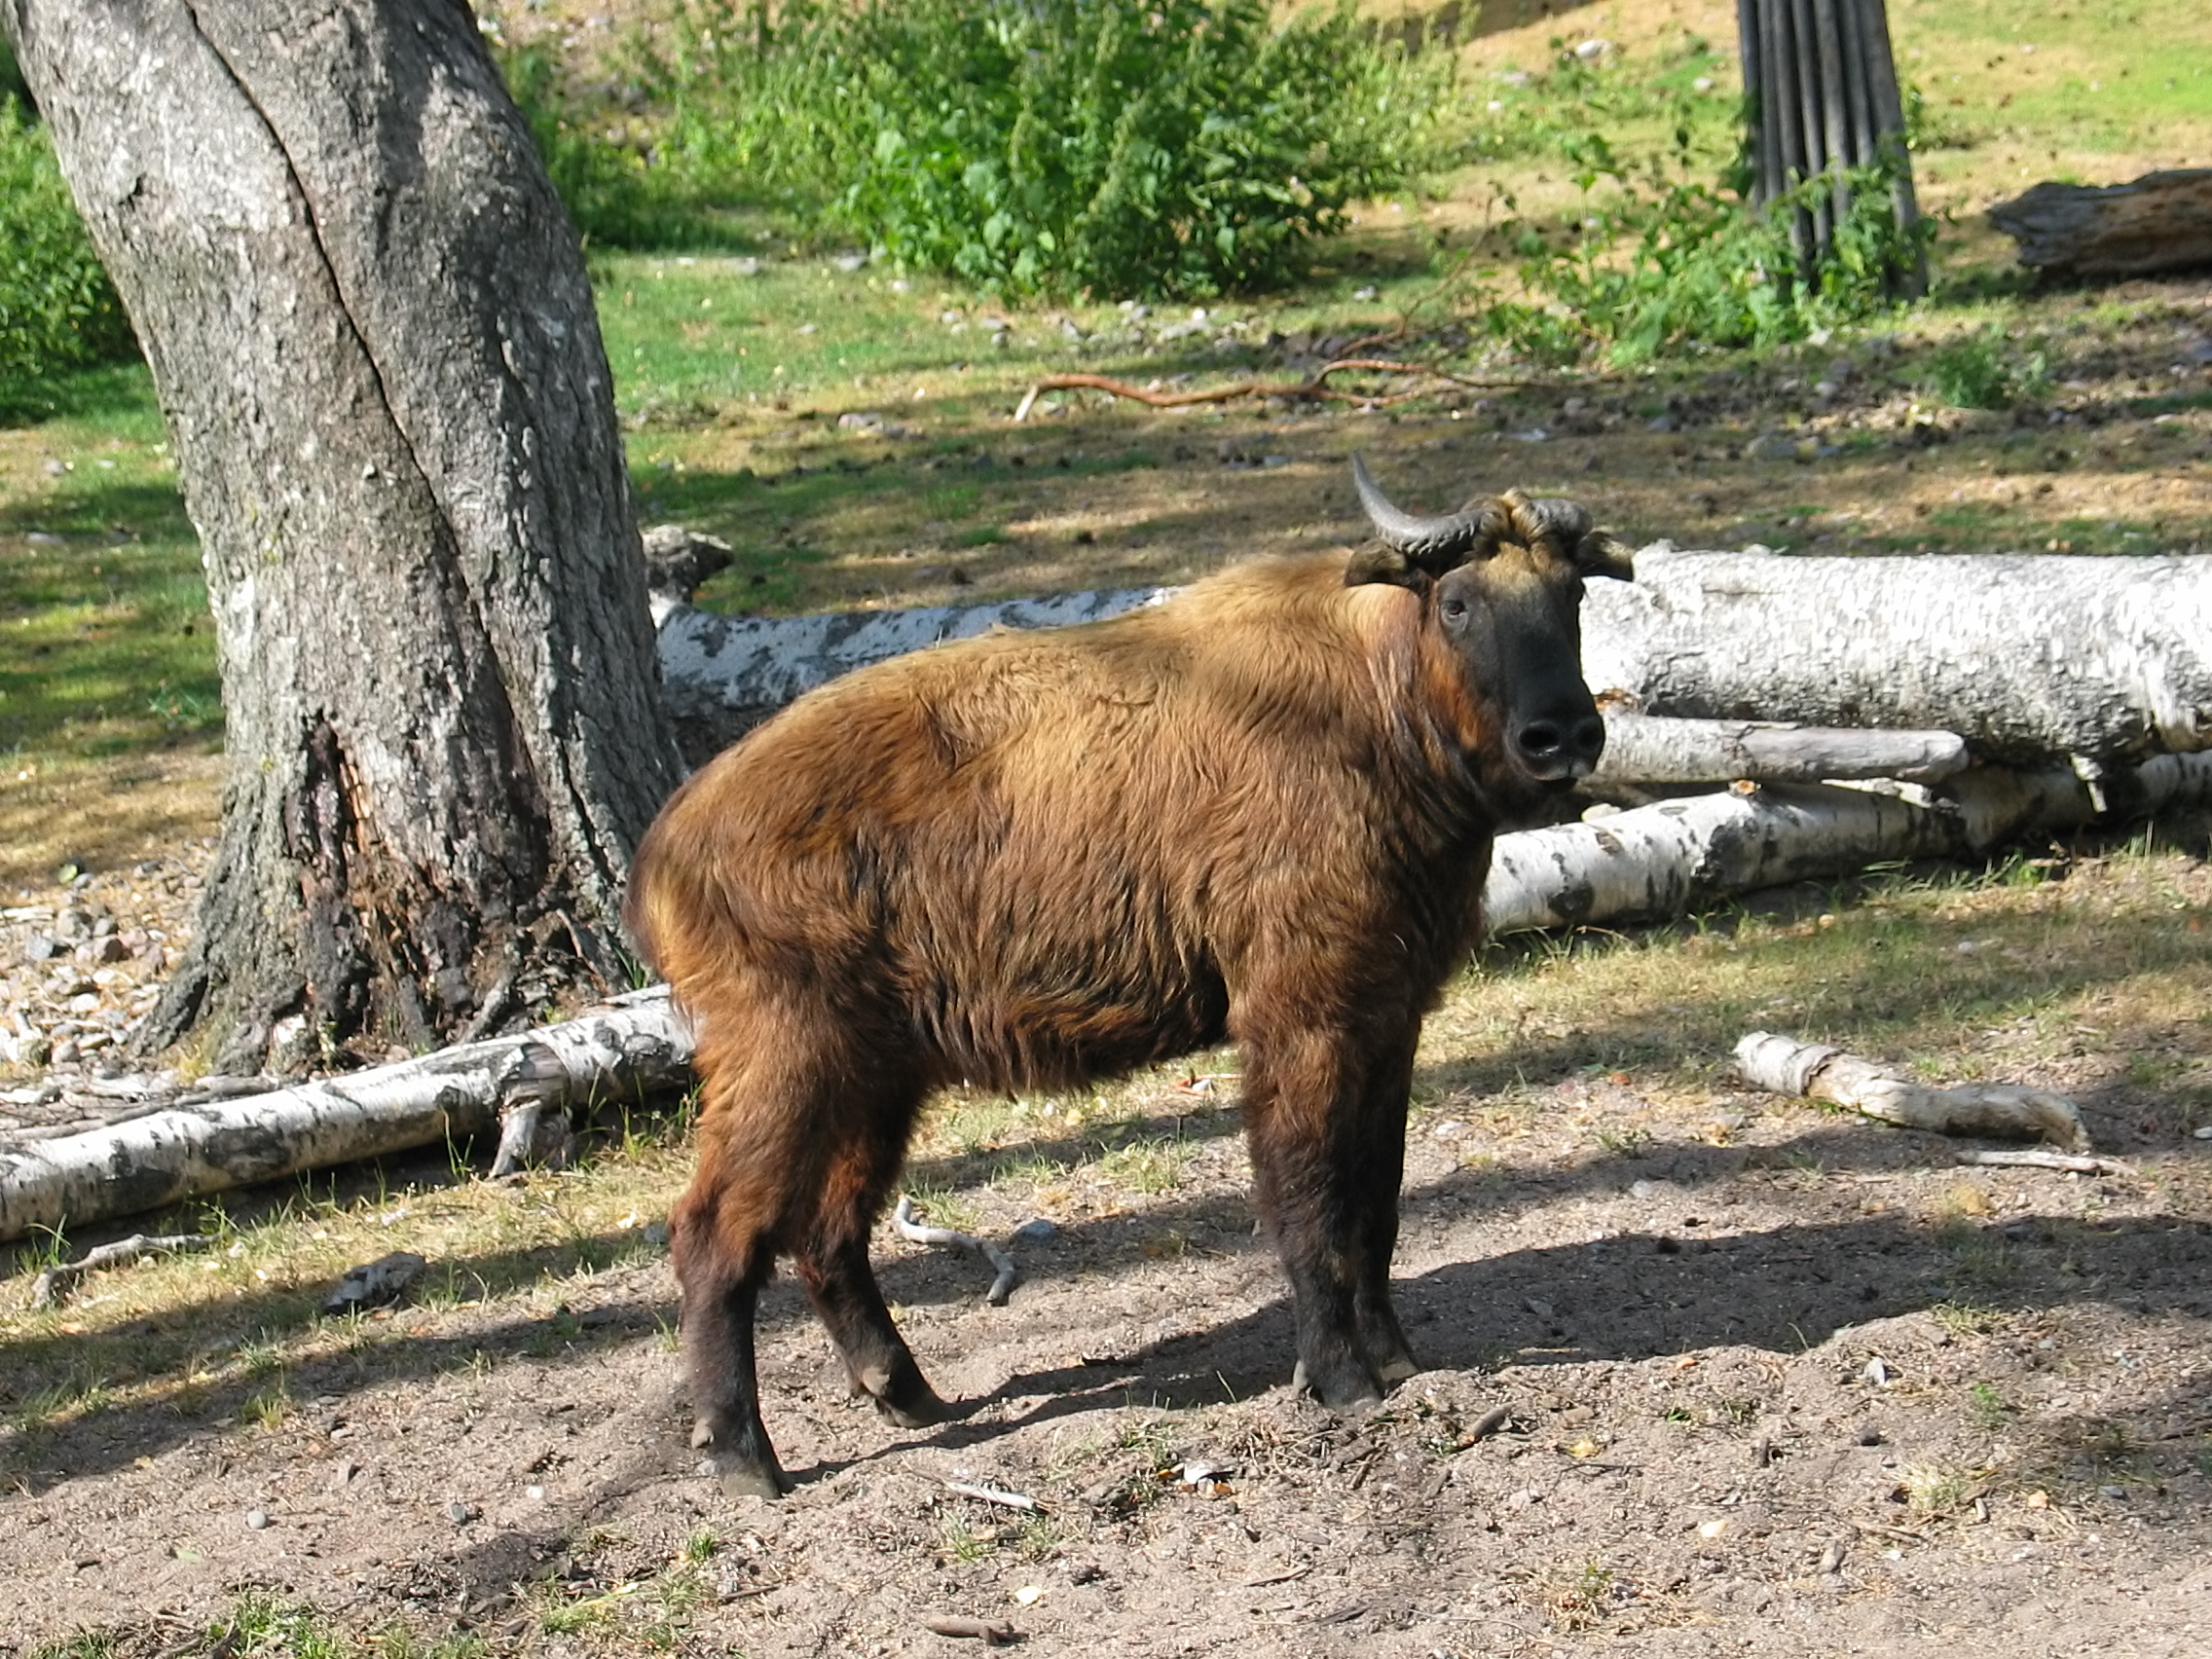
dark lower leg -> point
(1378, 1173)
(842, 1287)
(1303, 1206)
(717, 1326)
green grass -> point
(103, 609)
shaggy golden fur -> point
(1261, 809)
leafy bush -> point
(1672, 261)
(1976, 371)
(608, 181)
(1176, 148)
(57, 309)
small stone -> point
(41, 947)
(257, 1519)
(460, 1512)
(535, 1494)
(1034, 1231)
(2114, 1492)
(1869, 1436)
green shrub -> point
(57, 310)
(1670, 261)
(1978, 371)
(1174, 148)
(607, 177)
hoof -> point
(740, 1473)
(924, 1411)
(751, 1479)
(1397, 1368)
(1353, 1394)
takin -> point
(1262, 810)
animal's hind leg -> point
(721, 1260)
(831, 1261)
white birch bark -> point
(1662, 860)
(2026, 656)
(635, 1045)
(1784, 1065)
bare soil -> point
(1713, 1373)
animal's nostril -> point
(1589, 737)
(1540, 739)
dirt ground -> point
(1748, 1378)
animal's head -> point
(1500, 585)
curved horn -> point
(1427, 542)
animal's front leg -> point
(1302, 1095)
(1379, 1158)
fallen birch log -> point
(1782, 1065)
(2025, 656)
(632, 1048)
(1653, 860)
(2162, 221)
(1649, 749)
(1665, 859)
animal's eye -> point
(1454, 608)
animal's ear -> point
(1598, 554)
(1377, 563)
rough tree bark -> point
(1821, 89)
(371, 333)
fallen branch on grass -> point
(1313, 387)
(53, 1286)
(1786, 1066)
(635, 1045)
(914, 1232)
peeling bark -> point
(371, 336)
(625, 1052)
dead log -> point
(2024, 656)
(1647, 749)
(2160, 222)
(632, 1048)
(1665, 859)
(1783, 1066)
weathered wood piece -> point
(1784, 1065)
(2160, 222)
(1651, 748)
(632, 1048)
(1660, 860)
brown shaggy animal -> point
(1261, 809)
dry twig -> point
(52, 1285)
(2036, 1158)
(1313, 387)
(992, 1494)
(981, 1629)
(1001, 1287)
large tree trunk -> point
(1820, 86)
(370, 329)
